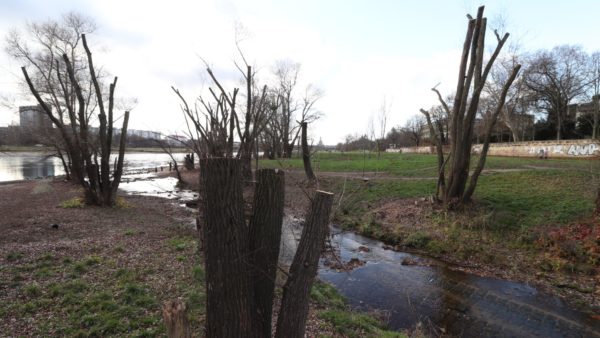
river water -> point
(32, 165)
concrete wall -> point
(555, 149)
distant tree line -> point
(555, 96)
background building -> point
(33, 117)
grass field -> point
(417, 165)
(522, 192)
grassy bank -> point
(332, 309)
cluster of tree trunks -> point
(454, 187)
(241, 258)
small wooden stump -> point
(175, 317)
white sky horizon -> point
(357, 52)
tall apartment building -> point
(33, 117)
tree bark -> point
(595, 99)
(175, 316)
(306, 153)
(486, 145)
(229, 290)
(291, 322)
(597, 209)
(118, 170)
(441, 184)
(265, 237)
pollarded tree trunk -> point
(291, 322)
(265, 237)
(306, 153)
(228, 286)
(246, 159)
(471, 78)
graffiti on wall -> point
(582, 150)
(573, 150)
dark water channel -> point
(442, 300)
(454, 302)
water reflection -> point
(448, 301)
(19, 166)
(22, 165)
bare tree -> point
(41, 47)
(382, 117)
(518, 100)
(452, 186)
(292, 104)
(415, 129)
(68, 88)
(557, 77)
(310, 175)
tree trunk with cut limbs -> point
(471, 77)
(265, 237)
(306, 153)
(228, 286)
(291, 322)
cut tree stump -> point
(175, 316)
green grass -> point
(519, 199)
(83, 306)
(181, 243)
(13, 256)
(351, 324)
(417, 165)
(332, 309)
(76, 202)
(541, 197)
(398, 164)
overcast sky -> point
(357, 52)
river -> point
(32, 165)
